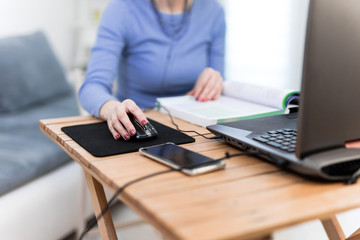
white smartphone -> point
(174, 156)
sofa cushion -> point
(30, 72)
(25, 152)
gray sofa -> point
(41, 188)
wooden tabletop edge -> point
(65, 120)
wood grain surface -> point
(249, 199)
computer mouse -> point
(143, 132)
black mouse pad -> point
(97, 139)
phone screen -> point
(179, 156)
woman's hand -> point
(116, 115)
(208, 86)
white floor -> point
(130, 226)
(349, 222)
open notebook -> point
(238, 101)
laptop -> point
(313, 140)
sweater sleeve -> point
(104, 60)
(217, 48)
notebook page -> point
(223, 109)
(263, 95)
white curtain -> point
(265, 40)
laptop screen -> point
(330, 92)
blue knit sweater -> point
(145, 58)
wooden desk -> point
(248, 200)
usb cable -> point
(121, 189)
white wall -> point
(265, 41)
(55, 17)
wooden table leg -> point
(98, 198)
(355, 235)
(333, 228)
(267, 237)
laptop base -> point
(336, 165)
(333, 164)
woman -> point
(153, 48)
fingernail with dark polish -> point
(127, 137)
(117, 136)
(132, 132)
(143, 122)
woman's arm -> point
(210, 82)
(95, 94)
(217, 48)
(104, 60)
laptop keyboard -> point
(283, 139)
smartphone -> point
(174, 156)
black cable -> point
(121, 189)
(278, 162)
(186, 131)
(354, 178)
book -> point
(238, 101)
